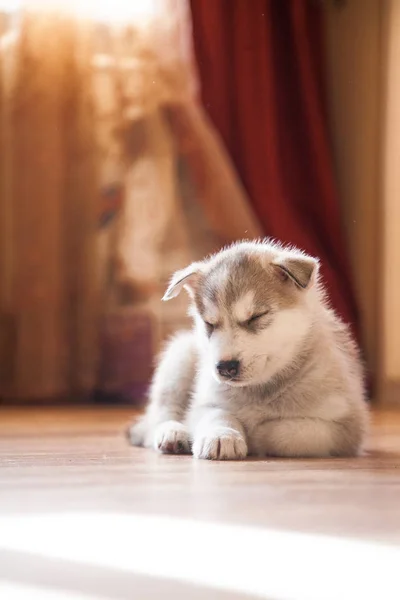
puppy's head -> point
(253, 307)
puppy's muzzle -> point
(229, 369)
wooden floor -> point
(83, 515)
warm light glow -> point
(10, 5)
(108, 11)
(263, 563)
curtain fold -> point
(260, 66)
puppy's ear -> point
(186, 278)
(301, 269)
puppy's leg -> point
(217, 435)
(306, 438)
(162, 426)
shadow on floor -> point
(44, 573)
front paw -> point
(223, 443)
(171, 437)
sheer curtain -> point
(111, 176)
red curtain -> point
(261, 70)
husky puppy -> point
(268, 370)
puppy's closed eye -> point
(256, 323)
(210, 327)
(256, 317)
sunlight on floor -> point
(259, 562)
(23, 592)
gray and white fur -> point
(268, 370)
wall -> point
(391, 203)
(363, 75)
(353, 52)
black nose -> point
(228, 368)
